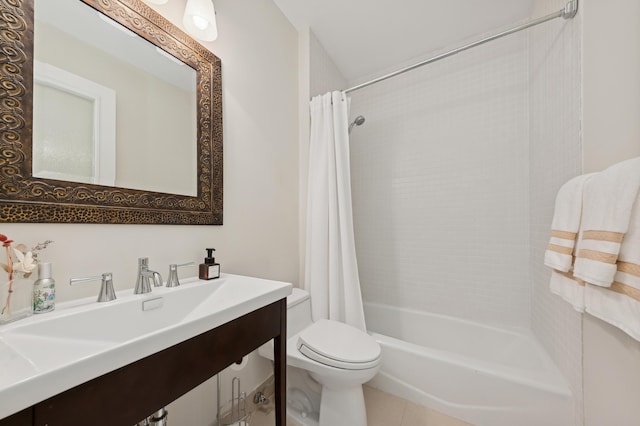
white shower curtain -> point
(331, 268)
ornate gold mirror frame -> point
(24, 198)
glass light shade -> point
(200, 19)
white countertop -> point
(46, 354)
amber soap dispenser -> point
(209, 269)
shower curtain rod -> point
(569, 11)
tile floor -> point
(383, 409)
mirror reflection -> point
(109, 107)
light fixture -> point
(200, 19)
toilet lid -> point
(339, 345)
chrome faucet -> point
(107, 293)
(145, 275)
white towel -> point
(566, 224)
(570, 288)
(607, 202)
(564, 243)
(619, 304)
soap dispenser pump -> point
(209, 269)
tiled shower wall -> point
(440, 175)
(556, 156)
(454, 179)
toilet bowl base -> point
(343, 407)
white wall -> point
(258, 48)
(324, 74)
(304, 127)
(611, 105)
(440, 186)
(555, 157)
(611, 65)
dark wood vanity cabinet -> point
(129, 394)
(22, 418)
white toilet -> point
(338, 356)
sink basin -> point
(47, 354)
(120, 320)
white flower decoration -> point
(25, 262)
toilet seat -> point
(339, 345)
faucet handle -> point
(107, 293)
(173, 281)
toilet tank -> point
(298, 317)
(298, 311)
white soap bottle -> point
(44, 290)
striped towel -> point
(608, 199)
(619, 304)
(565, 225)
(564, 242)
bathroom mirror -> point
(119, 184)
(122, 118)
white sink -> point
(46, 354)
(122, 319)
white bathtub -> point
(483, 375)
